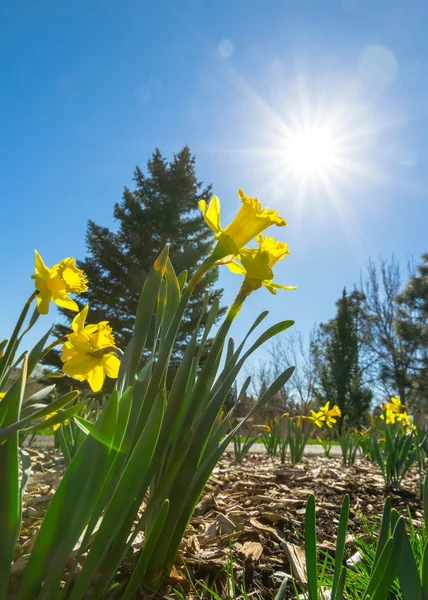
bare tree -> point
(292, 350)
(262, 376)
(389, 357)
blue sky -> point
(90, 88)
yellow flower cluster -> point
(394, 412)
(254, 263)
(325, 415)
(88, 353)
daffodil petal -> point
(41, 268)
(284, 287)
(78, 322)
(270, 288)
(96, 378)
(211, 213)
(43, 302)
(80, 364)
(111, 366)
(64, 301)
(236, 268)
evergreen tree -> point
(412, 328)
(162, 209)
(336, 351)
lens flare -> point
(311, 152)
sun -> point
(312, 152)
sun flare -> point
(312, 152)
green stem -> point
(245, 290)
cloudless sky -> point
(90, 88)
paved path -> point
(46, 441)
(310, 450)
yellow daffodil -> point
(256, 264)
(88, 353)
(2, 395)
(394, 406)
(57, 425)
(262, 427)
(330, 414)
(318, 418)
(330, 421)
(250, 221)
(389, 416)
(56, 283)
(299, 421)
(403, 418)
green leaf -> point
(172, 298)
(340, 547)
(146, 553)
(378, 571)
(384, 530)
(182, 278)
(282, 589)
(145, 310)
(425, 502)
(388, 576)
(37, 352)
(408, 573)
(38, 396)
(26, 470)
(311, 548)
(10, 494)
(70, 509)
(424, 572)
(124, 498)
(65, 449)
(55, 406)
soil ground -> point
(253, 513)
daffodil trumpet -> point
(251, 220)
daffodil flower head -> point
(250, 221)
(318, 418)
(389, 416)
(55, 284)
(395, 404)
(262, 428)
(330, 414)
(256, 263)
(403, 418)
(89, 352)
(2, 395)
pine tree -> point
(162, 209)
(337, 361)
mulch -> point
(251, 515)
